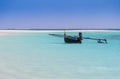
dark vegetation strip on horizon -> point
(61, 29)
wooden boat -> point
(73, 39)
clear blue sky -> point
(60, 14)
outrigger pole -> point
(99, 40)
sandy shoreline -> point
(26, 31)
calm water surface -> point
(40, 56)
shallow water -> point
(40, 56)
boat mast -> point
(80, 35)
(64, 33)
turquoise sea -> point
(40, 56)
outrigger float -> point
(78, 39)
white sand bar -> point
(14, 31)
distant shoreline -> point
(61, 29)
(57, 30)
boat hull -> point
(72, 40)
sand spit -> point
(26, 31)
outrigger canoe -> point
(77, 39)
